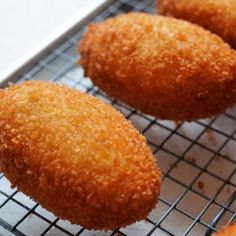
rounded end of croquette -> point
(76, 156)
(162, 66)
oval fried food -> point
(218, 16)
(165, 67)
(228, 231)
(75, 155)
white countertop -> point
(27, 26)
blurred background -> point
(28, 26)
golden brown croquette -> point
(218, 16)
(76, 156)
(228, 231)
(162, 66)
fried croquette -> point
(76, 156)
(162, 66)
(218, 16)
(228, 231)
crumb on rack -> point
(173, 165)
(211, 137)
(200, 184)
(228, 189)
(181, 129)
(177, 123)
(175, 146)
(228, 156)
(192, 159)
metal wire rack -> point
(198, 159)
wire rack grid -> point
(198, 159)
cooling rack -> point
(198, 159)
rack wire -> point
(198, 159)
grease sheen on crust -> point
(75, 155)
(162, 66)
(218, 16)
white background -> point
(28, 25)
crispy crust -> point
(165, 67)
(228, 231)
(218, 16)
(76, 156)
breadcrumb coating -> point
(76, 156)
(228, 231)
(162, 66)
(218, 16)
